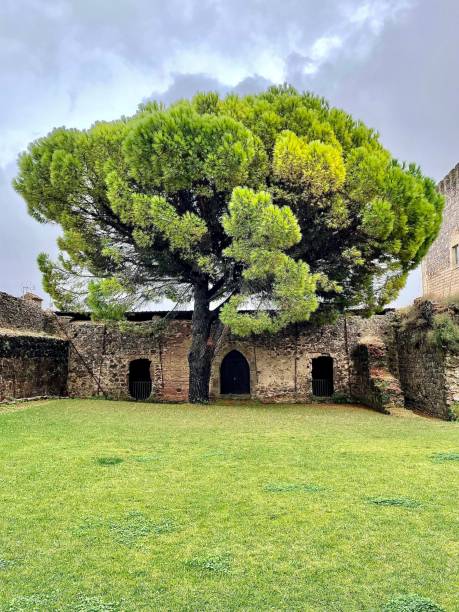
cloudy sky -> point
(392, 63)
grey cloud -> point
(251, 85)
(186, 85)
(407, 88)
(21, 239)
(38, 31)
(392, 63)
(295, 66)
(53, 51)
(60, 56)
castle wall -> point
(17, 313)
(429, 372)
(376, 361)
(31, 366)
(100, 355)
(280, 365)
(440, 274)
(33, 359)
(422, 375)
(373, 383)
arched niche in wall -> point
(140, 383)
(322, 376)
(234, 374)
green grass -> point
(128, 506)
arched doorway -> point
(235, 375)
(322, 376)
(140, 383)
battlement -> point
(450, 182)
(440, 269)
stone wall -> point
(100, 355)
(429, 375)
(374, 362)
(451, 387)
(377, 361)
(374, 384)
(33, 358)
(422, 376)
(280, 365)
(18, 313)
(440, 274)
(32, 365)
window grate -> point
(140, 389)
(322, 387)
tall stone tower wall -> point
(440, 271)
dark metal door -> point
(235, 374)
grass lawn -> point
(130, 506)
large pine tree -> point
(274, 200)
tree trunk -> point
(205, 332)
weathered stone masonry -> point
(440, 273)
(32, 365)
(429, 374)
(375, 361)
(33, 358)
(26, 314)
(280, 365)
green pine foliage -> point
(276, 199)
(444, 332)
